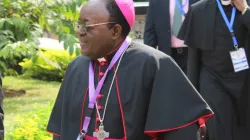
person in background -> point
(218, 35)
(1, 110)
(163, 22)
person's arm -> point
(54, 124)
(56, 137)
(246, 18)
(182, 109)
(243, 7)
(150, 37)
(193, 68)
(1, 111)
(1, 83)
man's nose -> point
(80, 32)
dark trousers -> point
(180, 56)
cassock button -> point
(103, 63)
(97, 119)
(101, 73)
(100, 107)
(100, 96)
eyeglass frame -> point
(84, 29)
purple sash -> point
(93, 93)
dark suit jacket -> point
(157, 28)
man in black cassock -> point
(1, 110)
(222, 83)
(145, 94)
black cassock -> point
(150, 96)
(210, 67)
(1, 111)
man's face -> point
(94, 40)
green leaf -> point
(48, 61)
(3, 66)
(2, 23)
(66, 30)
(47, 27)
(73, 7)
(77, 51)
(71, 50)
(3, 43)
(65, 45)
(5, 52)
(9, 21)
(34, 58)
(41, 21)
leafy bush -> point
(16, 42)
(31, 126)
(10, 72)
(22, 22)
(50, 65)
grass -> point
(37, 94)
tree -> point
(22, 23)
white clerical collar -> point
(102, 59)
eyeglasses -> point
(83, 27)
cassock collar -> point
(108, 56)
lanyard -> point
(93, 93)
(229, 24)
(181, 7)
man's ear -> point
(117, 31)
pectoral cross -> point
(101, 134)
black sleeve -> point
(150, 37)
(1, 112)
(246, 19)
(186, 133)
(54, 124)
(193, 68)
(56, 137)
(187, 30)
(175, 103)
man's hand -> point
(202, 134)
(241, 5)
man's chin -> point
(89, 55)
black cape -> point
(150, 95)
(198, 33)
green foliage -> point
(17, 40)
(22, 22)
(10, 72)
(50, 65)
(61, 20)
(38, 94)
(31, 126)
